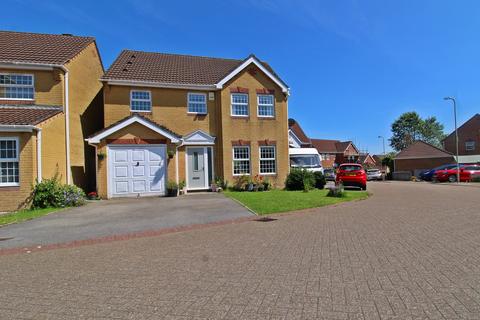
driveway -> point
(411, 251)
(122, 216)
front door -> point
(197, 169)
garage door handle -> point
(138, 163)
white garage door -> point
(137, 170)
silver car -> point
(374, 174)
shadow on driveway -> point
(122, 216)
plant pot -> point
(172, 192)
(250, 187)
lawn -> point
(281, 200)
(24, 215)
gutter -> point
(39, 153)
(16, 128)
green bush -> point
(51, 193)
(320, 181)
(300, 179)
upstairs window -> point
(267, 160)
(266, 106)
(9, 175)
(240, 104)
(197, 103)
(17, 86)
(241, 160)
(470, 145)
(140, 101)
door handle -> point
(138, 163)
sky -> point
(353, 66)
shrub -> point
(51, 193)
(336, 191)
(221, 183)
(172, 185)
(241, 183)
(300, 179)
(266, 184)
(320, 181)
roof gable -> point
(38, 48)
(198, 137)
(475, 118)
(421, 149)
(295, 127)
(135, 118)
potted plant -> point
(172, 189)
(214, 187)
(182, 187)
(93, 196)
(101, 155)
(170, 153)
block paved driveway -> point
(122, 216)
(411, 251)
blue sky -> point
(353, 66)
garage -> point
(138, 170)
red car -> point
(352, 175)
(450, 175)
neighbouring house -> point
(296, 136)
(367, 160)
(336, 152)
(468, 141)
(421, 156)
(178, 118)
(50, 100)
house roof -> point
(475, 118)
(169, 68)
(325, 146)
(364, 156)
(40, 48)
(105, 132)
(26, 114)
(298, 131)
(420, 149)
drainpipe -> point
(67, 127)
(39, 154)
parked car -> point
(427, 175)
(374, 174)
(352, 175)
(305, 158)
(450, 175)
(329, 174)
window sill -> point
(268, 174)
(196, 114)
(7, 186)
(240, 117)
(240, 174)
(141, 111)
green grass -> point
(24, 215)
(281, 201)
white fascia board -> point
(159, 85)
(16, 128)
(255, 61)
(295, 139)
(121, 125)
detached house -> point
(468, 141)
(49, 102)
(187, 118)
(336, 151)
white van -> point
(305, 158)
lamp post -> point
(456, 133)
(382, 137)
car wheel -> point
(452, 178)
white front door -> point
(136, 170)
(197, 169)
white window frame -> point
(470, 145)
(249, 161)
(143, 100)
(188, 102)
(16, 159)
(243, 104)
(259, 104)
(269, 159)
(19, 85)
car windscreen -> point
(373, 171)
(350, 168)
(305, 160)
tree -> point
(410, 127)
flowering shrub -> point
(51, 193)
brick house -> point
(187, 118)
(367, 160)
(421, 156)
(49, 103)
(296, 136)
(335, 152)
(468, 141)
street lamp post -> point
(456, 133)
(382, 137)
